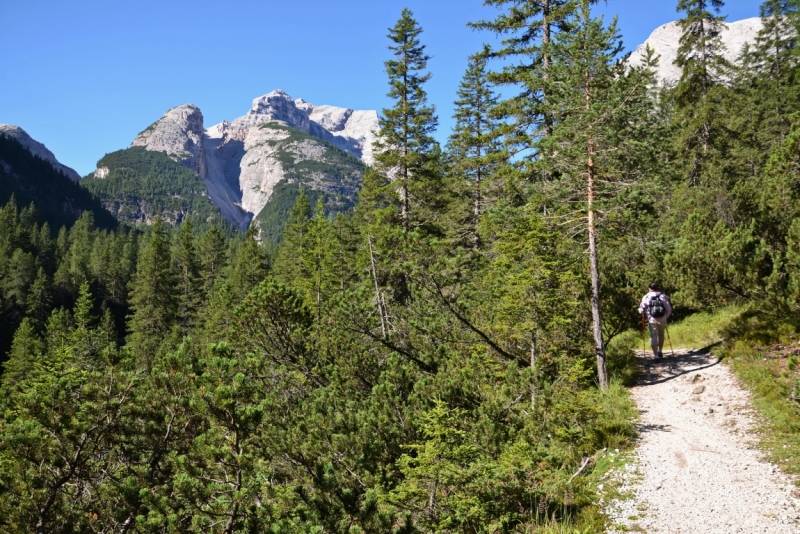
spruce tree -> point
(288, 263)
(40, 299)
(405, 148)
(152, 296)
(26, 350)
(187, 278)
(212, 251)
(319, 259)
(700, 58)
(249, 265)
(475, 145)
(528, 29)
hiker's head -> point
(654, 286)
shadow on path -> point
(644, 428)
(671, 367)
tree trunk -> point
(597, 325)
(533, 370)
(378, 300)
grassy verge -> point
(703, 329)
(772, 377)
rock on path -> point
(698, 469)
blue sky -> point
(85, 76)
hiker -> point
(658, 309)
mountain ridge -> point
(38, 149)
(242, 161)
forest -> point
(441, 358)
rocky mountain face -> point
(279, 141)
(37, 149)
(665, 41)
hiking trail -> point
(696, 468)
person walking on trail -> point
(658, 309)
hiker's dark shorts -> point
(657, 333)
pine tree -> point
(405, 148)
(599, 141)
(700, 58)
(212, 251)
(249, 265)
(40, 299)
(187, 278)
(319, 260)
(528, 28)
(26, 349)
(475, 146)
(288, 263)
(152, 297)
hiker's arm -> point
(667, 306)
(643, 304)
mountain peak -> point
(179, 133)
(665, 42)
(38, 149)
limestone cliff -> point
(665, 41)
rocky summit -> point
(665, 40)
(280, 140)
(38, 149)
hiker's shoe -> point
(660, 355)
(657, 356)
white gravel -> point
(697, 465)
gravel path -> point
(696, 467)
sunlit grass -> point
(703, 329)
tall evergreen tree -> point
(187, 277)
(212, 251)
(40, 299)
(249, 265)
(700, 58)
(528, 28)
(475, 146)
(405, 148)
(288, 263)
(152, 296)
(599, 142)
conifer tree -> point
(212, 251)
(475, 145)
(769, 76)
(319, 259)
(26, 349)
(187, 277)
(288, 263)
(528, 28)
(599, 141)
(405, 148)
(40, 299)
(700, 58)
(249, 266)
(152, 296)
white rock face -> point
(38, 149)
(179, 133)
(665, 41)
(242, 161)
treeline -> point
(436, 360)
(59, 200)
